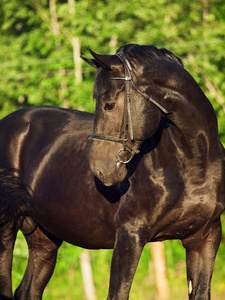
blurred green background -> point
(40, 45)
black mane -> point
(148, 52)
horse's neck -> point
(189, 109)
(193, 117)
(194, 133)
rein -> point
(127, 119)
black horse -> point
(154, 146)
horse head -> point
(133, 89)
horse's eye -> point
(109, 106)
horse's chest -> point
(174, 204)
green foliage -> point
(37, 67)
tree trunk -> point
(159, 262)
(75, 41)
(76, 58)
(54, 19)
(87, 275)
(113, 43)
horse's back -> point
(37, 126)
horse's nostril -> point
(100, 175)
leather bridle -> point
(127, 119)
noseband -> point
(127, 119)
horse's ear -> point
(109, 62)
(91, 62)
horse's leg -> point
(7, 241)
(127, 251)
(41, 262)
(200, 255)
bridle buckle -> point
(120, 158)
